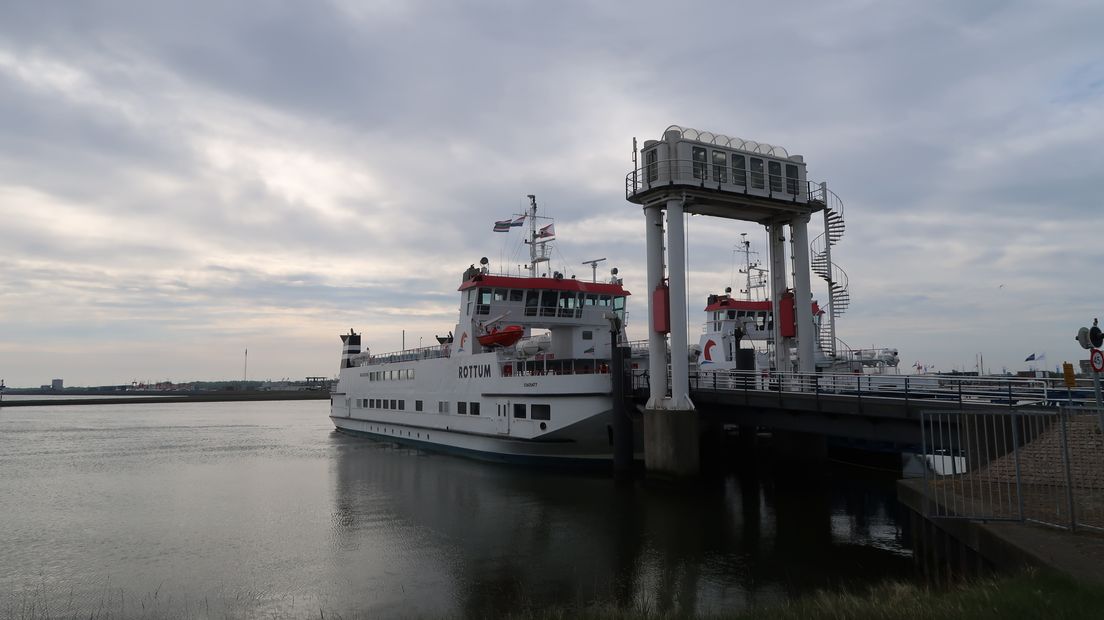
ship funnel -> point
(351, 342)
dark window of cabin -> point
(700, 158)
(651, 169)
(775, 170)
(720, 166)
(549, 299)
(757, 173)
(462, 407)
(402, 405)
(791, 179)
(619, 307)
(394, 404)
(739, 167)
(519, 410)
(474, 409)
(541, 412)
(385, 403)
(588, 334)
(484, 301)
(417, 405)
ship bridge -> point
(540, 302)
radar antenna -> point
(593, 268)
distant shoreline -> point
(172, 397)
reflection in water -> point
(503, 539)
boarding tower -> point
(695, 172)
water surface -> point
(260, 509)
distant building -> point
(57, 384)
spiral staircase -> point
(821, 252)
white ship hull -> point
(534, 418)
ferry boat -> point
(738, 333)
(523, 377)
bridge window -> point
(541, 412)
(590, 300)
(791, 179)
(516, 294)
(720, 166)
(619, 307)
(739, 167)
(775, 170)
(519, 410)
(532, 300)
(700, 159)
(604, 300)
(651, 170)
(757, 173)
(549, 299)
(483, 307)
(500, 294)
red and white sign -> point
(1096, 360)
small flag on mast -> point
(546, 231)
(1030, 358)
(519, 221)
(502, 226)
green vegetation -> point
(1030, 595)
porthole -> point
(544, 426)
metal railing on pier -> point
(1009, 392)
(1039, 465)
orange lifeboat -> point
(505, 337)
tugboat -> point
(536, 391)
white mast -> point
(534, 256)
(749, 267)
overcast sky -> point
(182, 181)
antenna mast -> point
(749, 267)
(534, 256)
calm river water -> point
(262, 510)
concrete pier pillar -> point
(776, 233)
(676, 258)
(803, 295)
(657, 342)
(671, 443)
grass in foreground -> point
(1033, 594)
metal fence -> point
(1039, 465)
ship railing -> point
(707, 175)
(1006, 391)
(406, 355)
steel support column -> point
(776, 233)
(803, 295)
(657, 342)
(676, 258)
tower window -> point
(700, 159)
(757, 173)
